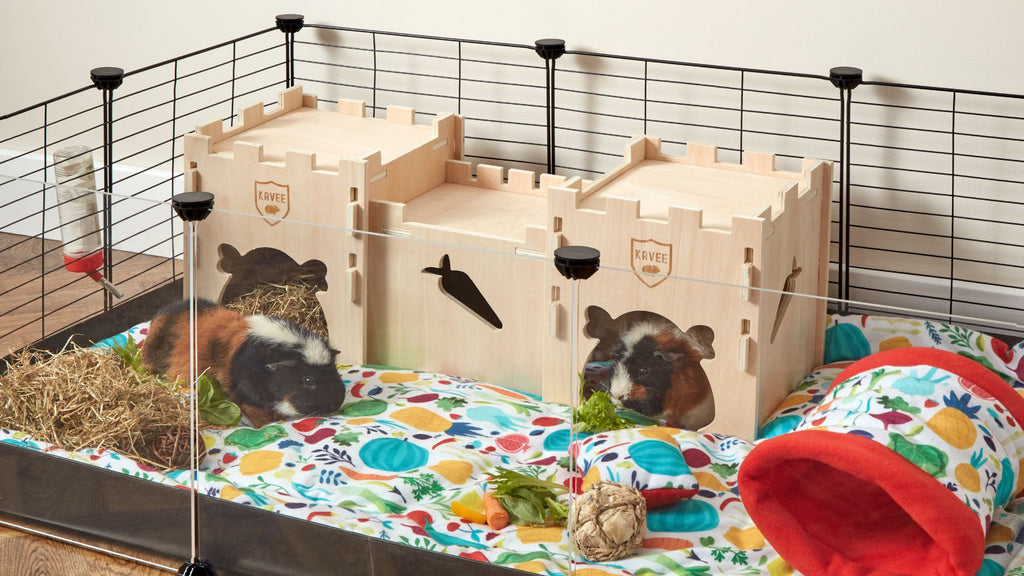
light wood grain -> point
(34, 280)
(329, 164)
(37, 550)
(734, 231)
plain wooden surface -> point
(69, 297)
(719, 194)
(333, 136)
(27, 554)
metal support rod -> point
(952, 207)
(42, 229)
(107, 79)
(575, 263)
(192, 207)
(550, 49)
(289, 24)
(846, 78)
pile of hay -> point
(296, 302)
(90, 398)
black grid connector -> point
(107, 77)
(197, 567)
(192, 206)
(549, 48)
(290, 23)
(846, 77)
(577, 262)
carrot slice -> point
(497, 516)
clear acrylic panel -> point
(95, 447)
(449, 344)
(753, 401)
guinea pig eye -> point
(308, 382)
(642, 371)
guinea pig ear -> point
(274, 366)
(701, 337)
(229, 256)
(599, 323)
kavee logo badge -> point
(272, 201)
(648, 257)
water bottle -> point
(78, 213)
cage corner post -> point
(289, 24)
(575, 263)
(550, 49)
(192, 207)
(845, 78)
(107, 79)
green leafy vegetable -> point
(597, 414)
(898, 403)
(214, 406)
(130, 353)
(529, 500)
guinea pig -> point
(271, 368)
(654, 367)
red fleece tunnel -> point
(898, 471)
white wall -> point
(48, 46)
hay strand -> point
(295, 302)
(89, 398)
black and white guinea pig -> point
(655, 367)
(273, 369)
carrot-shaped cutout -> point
(497, 516)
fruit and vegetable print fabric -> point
(408, 444)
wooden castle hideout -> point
(350, 191)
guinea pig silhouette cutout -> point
(649, 365)
(263, 266)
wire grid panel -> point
(156, 106)
(32, 275)
(602, 101)
(498, 89)
(935, 200)
(988, 203)
(151, 111)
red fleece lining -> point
(844, 505)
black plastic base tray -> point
(235, 540)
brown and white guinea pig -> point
(273, 369)
(654, 367)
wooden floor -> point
(25, 553)
(33, 281)
(25, 291)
